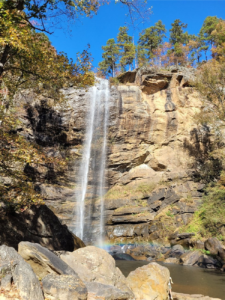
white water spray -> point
(91, 178)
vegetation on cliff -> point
(155, 48)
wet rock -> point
(43, 261)
(101, 291)
(96, 265)
(149, 282)
(190, 258)
(22, 274)
(64, 287)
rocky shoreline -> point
(36, 273)
(209, 254)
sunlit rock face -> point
(153, 143)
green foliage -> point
(210, 218)
(177, 34)
(126, 48)
(208, 27)
(149, 40)
(110, 57)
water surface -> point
(187, 279)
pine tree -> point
(178, 38)
(110, 57)
(205, 34)
(177, 34)
(126, 48)
(149, 40)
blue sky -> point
(97, 30)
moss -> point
(128, 192)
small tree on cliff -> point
(126, 48)
(110, 57)
(149, 40)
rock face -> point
(38, 225)
(149, 282)
(21, 274)
(153, 146)
(96, 265)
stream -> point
(187, 279)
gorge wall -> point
(153, 148)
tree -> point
(110, 57)
(177, 34)
(211, 84)
(149, 40)
(126, 48)
(178, 38)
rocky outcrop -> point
(154, 146)
(149, 282)
(37, 224)
(20, 273)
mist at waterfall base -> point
(91, 182)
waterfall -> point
(91, 183)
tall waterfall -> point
(91, 176)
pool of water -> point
(187, 279)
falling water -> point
(91, 179)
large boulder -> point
(43, 261)
(37, 224)
(96, 265)
(190, 258)
(149, 282)
(22, 274)
(64, 287)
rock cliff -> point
(154, 145)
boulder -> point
(213, 245)
(101, 291)
(190, 258)
(208, 262)
(64, 287)
(37, 224)
(96, 265)
(149, 282)
(43, 261)
(23, 276)
(178, 296)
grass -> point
(210, 218)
